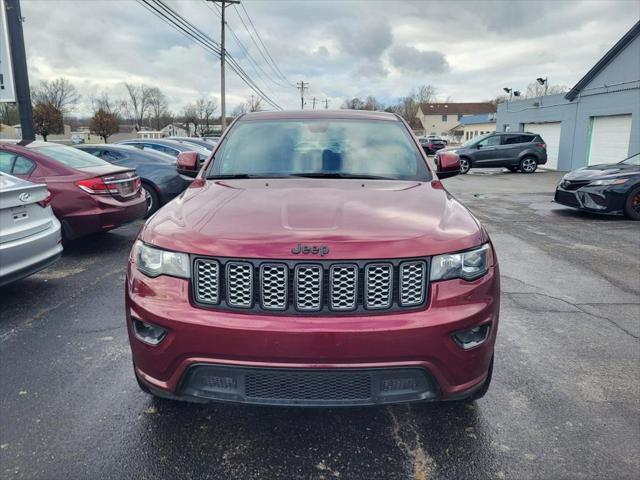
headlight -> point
(467, 265)
(609, 181)
(154, 262)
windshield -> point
(475, 140)
(72, 157)
(632, 160)
(335, 148)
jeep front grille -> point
(320, 287)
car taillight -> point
(431, 145)
(47, 200)
(542, 145)
(137, 183)
(96, 186)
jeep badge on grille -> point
(310, 249)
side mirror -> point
(187, 164)
(478, 146)
(448, 165)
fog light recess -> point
(147, 332)
(472, 337)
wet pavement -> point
(564, 402)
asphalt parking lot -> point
(564, 402)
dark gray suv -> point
(517, 151)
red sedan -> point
(88, 195)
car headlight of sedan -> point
(154, 262)
(467, 265)
(608, 181)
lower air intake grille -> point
(308, 386)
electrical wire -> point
(270, 61)
(179, 23)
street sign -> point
(7, 89)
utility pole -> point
(223, 107)
(19, 64)
(326, 103)
(313, 102)
(302, 86)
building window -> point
(444, 118)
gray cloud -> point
(343, 48)
(368, 37)
(410, 59)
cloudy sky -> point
(467, 50)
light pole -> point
(544, 81)
(509, 91)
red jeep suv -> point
(316, 260)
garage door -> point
(609, 139)
(550, 133)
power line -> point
(218, 50)
(179, 23)
(254, 64)
(266, 55)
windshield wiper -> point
(339, 175)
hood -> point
(602, 170)
(355, 219)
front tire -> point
(465, 165)
(632, 204)
(528, 165)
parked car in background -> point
(29, 231)
(88, 195)
(203, 143)
(304, 268)
(607, 188)
(169, 147)
(434, 138)
(517, 151)
(432, 146)
(157, 171)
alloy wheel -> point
(148, 198)
(464, 165)
(528, 165)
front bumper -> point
(293, 350)
(596, 199)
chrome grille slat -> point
(378, 283)
(312, 287)
(412, 283)
(308, 287)
(274, 283)
(208, 281)
(343, 286)
(239, 284)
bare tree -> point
(59, 93)
(205, 108)
(534, 90)
(190, 116)
(139, 103)
(158, 106)
(407, 107)
(109, 105)
(354, 103)
(9, 113)
(372, 103)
